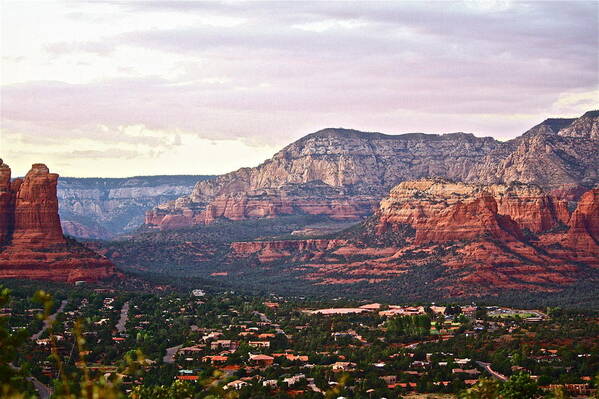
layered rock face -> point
(106, 207)
(33, 245)
(555, 154)
(7, 203)
(343, 173)
(309, 199)
(441, 210)
(583, 233)
(36, 209)
(336, 172)
(485, 238)
(268, 251)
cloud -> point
(151, 75)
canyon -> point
(32, 244)
(103, 208)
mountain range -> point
(344, 173)
(342, 211)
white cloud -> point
(167, 80)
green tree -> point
(558, 393)
(13, 384)
(519, 386)
(483, 389)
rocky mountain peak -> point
(587, 126)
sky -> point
(124, 88)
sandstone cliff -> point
(36, 220)
(462, 208)
(484, 238)
(32, 244)
(344, 173)
(583, 232)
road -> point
(262, 316)
(170, 354)
(49, 321)
(44, 391)
(488, 369)
(120, 326)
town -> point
(225, 343)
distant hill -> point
(106, 207)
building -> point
(262, 360)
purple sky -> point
(118, 88)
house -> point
(343, 366)
(212, 335)
(291, 357)
(262, 360)
(187, 377)
(194, 350)
(438, 309)
(463, 361)
(259, 344)
(226, 344)
(290, 381)
(389, 379)
(371, 306)
(270, 383)
(405, 385)
(216, 359)
(469, 310)
(237, 384)
(462, 371)
(332, 311)
(266, 336)
(402, 311)
(420, 363)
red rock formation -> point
(468, 221)
(438, 205)
(243, 206)
(474, 232)
(7, 204)
(34, 246)
(530, 207)
(269, 251)
(583, 233)
(36, 209)
(57, 264)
